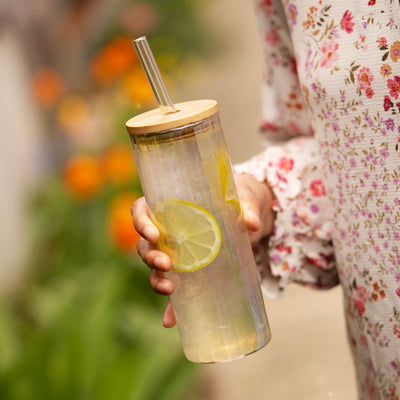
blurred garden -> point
(83, 322)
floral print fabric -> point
(300, 250)
(332, 76)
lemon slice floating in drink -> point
(190, 234)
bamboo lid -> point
(154, 121)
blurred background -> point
(77, 317)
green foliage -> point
(88, 325)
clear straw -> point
(153, 75)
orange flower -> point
(82, 176)
(137, 87)
(47, 86)
(395, 51)
(118, 164)
(386, 70)
(112, 60)
(73, 114)
(121, 229)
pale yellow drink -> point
(184, 166)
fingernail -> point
(150, 232)
(252, 215)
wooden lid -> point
(187, 113)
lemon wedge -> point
(190, 234)
(227, 182)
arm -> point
(300, 248)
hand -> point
(255, 200)
(158, 261)
(256, 204)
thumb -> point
(251, 214)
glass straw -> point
(153, 75)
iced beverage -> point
(188, 183)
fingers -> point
(255, 200)
(169, 319)
(251, 200)
(251, 214)
(159, 263)
(153, 257)
(160, 284)
(142, 221)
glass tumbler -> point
(187, 180)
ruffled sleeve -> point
(300, 248)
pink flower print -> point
(353, 163)
(360, 299)
(267, 5)
(394, 86)
(317, 188)
(294, 128)
(363, 341)
(389, 124)
(268, 126)
(284, 249)
(382, 41)
(272, 37)
(347, 23)
(398, 291)
(292, 13)
(369, 92)
(387, 103)
(361, 293)
(370, 388)
(286, 164)
(362, 43)
(359, 306)
(329, 53)
(335, 127)
(365, 78)
(385, 154)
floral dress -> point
(331, 125)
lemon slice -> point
(189, 234)
(227, 182)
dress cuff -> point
(300, 248)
